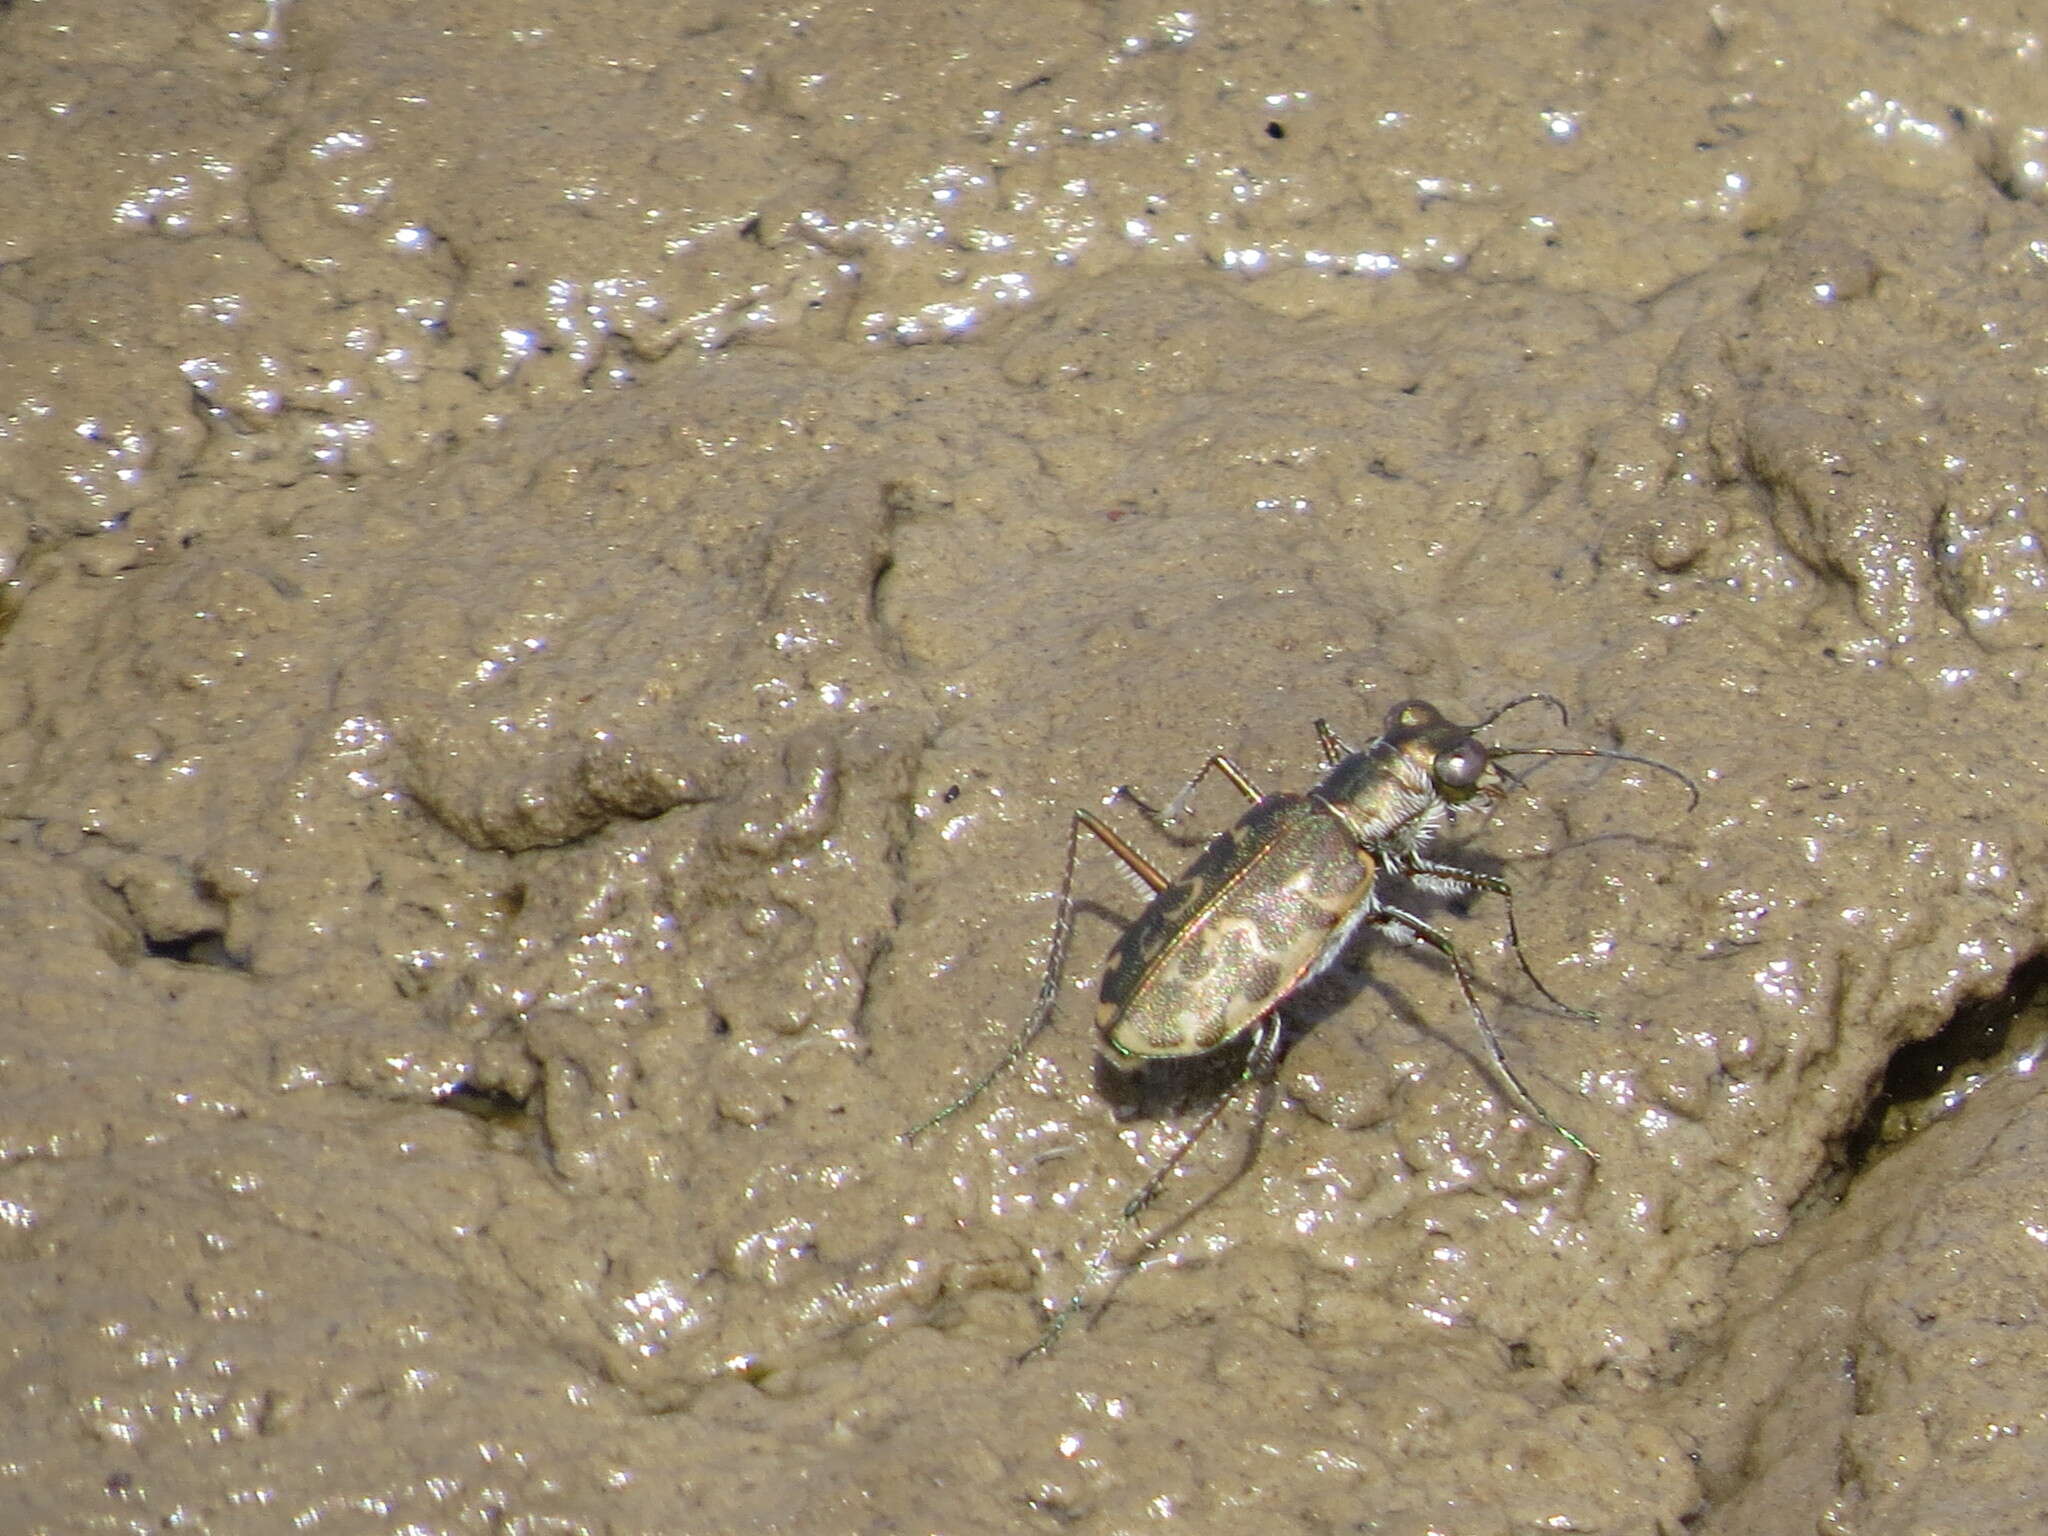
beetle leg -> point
(1146, 871)
(1424, 871)
(1177, 807)
(1055, 957)
(1441, 943)
(1334, 750)
(1055, 964)
(1260, 1063)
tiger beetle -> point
(1272, 903)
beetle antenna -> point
(1564, 716)
(1691, 787)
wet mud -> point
(566, 568)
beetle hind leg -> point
(1048, 989)
(1142, 870)
(1177, 807)
(1261, 1065)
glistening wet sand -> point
(566, 567)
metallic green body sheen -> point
(1229, 939)
(1273, 901)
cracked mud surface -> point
(566, 567)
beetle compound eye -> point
(1460, 767)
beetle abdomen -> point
(1223, 944)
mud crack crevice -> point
(1929, 1080)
